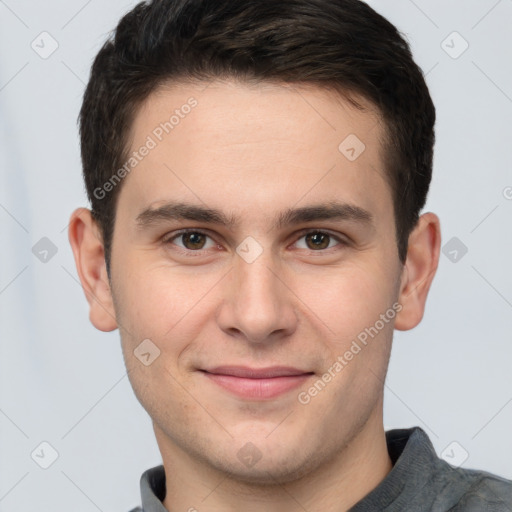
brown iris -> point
(193, 240)
(319, 240)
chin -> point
(275, 471)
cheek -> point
(347, 300)
(143, 308)
(163, 303)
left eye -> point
(316, 240)
(193, 240)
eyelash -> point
(199, 252)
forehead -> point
(235, 144)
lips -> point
(257, 383)
(257, 373)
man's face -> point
(256, 293)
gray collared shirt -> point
(419, 482)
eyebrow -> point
(184, 211)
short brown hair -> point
(338, 44)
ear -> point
(87, 244)
(419, 270)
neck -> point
(335, 486)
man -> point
(256, 172)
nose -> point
(257, 304)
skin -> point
(253, 151)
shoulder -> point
(431, 482)
(483, 491)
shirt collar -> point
(413, 457)
(152, 489)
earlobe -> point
(87, 245)
(419, 270)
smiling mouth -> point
(257, 383)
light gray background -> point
(63, 382)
